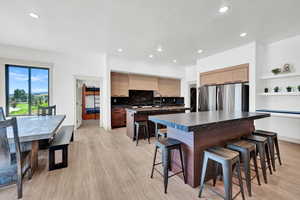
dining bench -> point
(61, 142)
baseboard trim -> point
(287, 139)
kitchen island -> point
(142, 114)
(201, 130)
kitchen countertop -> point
(153, 109)
(192, 121)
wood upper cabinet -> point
(225, 77)
(241, 74)
(168, 87)
(141, 82)
(234, 74)
(208, 79)
(119, 85)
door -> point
(78, 103)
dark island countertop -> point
(193, 121)
(155, 109)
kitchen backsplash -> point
(165, 101)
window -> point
(26, 89)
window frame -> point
(29, 87)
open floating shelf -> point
(287, 75)
(281, 113)
(280, 94)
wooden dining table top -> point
(33, 128)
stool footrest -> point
(174, 174)
(157, 163)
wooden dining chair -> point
(46, 110)
(2, 115)
(13, 170)
(25, 146)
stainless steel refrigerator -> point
(229, 97)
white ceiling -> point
(139, 26)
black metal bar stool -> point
(273, 143)
(160, 132)
(141, 125)
(167, 145)
(247, 152)
(263, 152)
(229, 160)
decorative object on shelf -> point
(266, 90)
(276, 89)
(298, 88)
(286, 67)
(289, 88)
(276, 71)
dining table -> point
(33, 129)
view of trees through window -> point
(27, 88)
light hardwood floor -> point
(108, 166)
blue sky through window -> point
(18, 79)
(39, 81)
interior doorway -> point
(87, 111)
(193, 97)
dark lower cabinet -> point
(118, 117)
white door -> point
(78, 103)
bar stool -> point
(263, 152)
(160, 132)
(229, 160)
(141, 125)
(167, 145)
(247, 152)
(273, 142)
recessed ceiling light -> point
(159, 49)
(223, 9)
(200, 51)
(120, 50)
(243, 34)
(150, 56)
(34, 15)
(174, 61)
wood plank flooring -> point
(108, 166)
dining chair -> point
(46, 110)
(13, 170)
(25, 146)
(2, 115)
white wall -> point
(63, 69)
(276, 55)
(232, 57)
(189, 79)
(142, 67)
